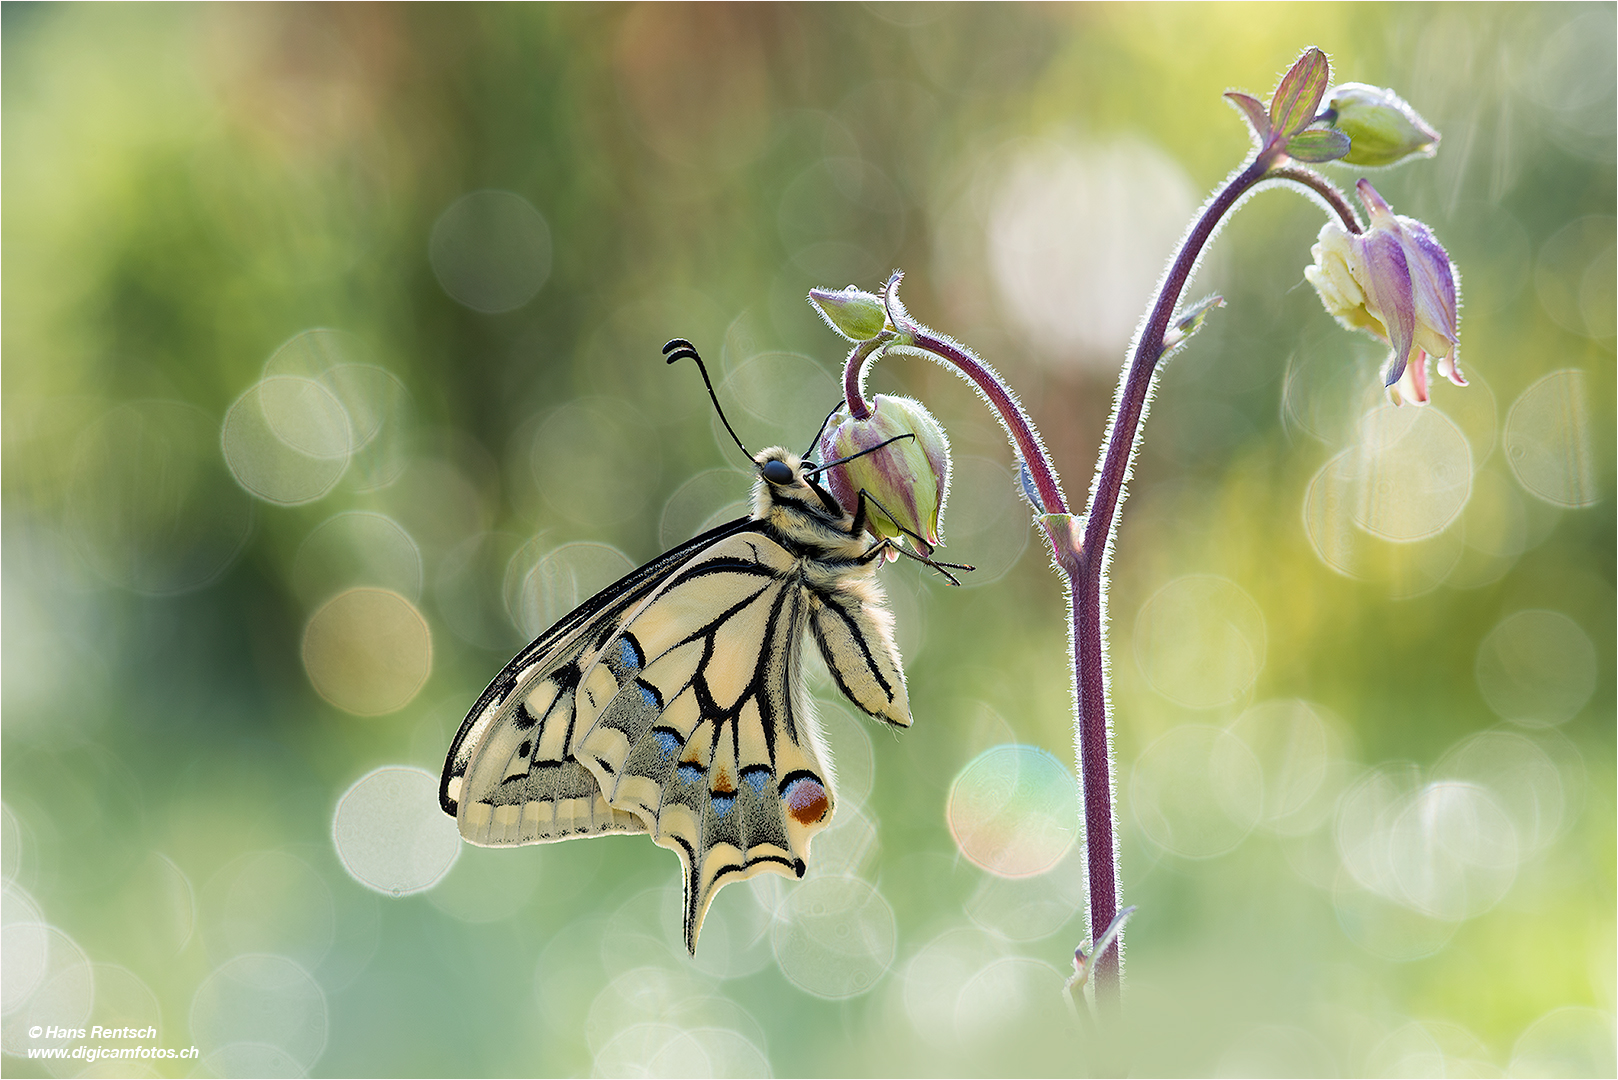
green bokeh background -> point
(188, 188)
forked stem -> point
(1082, 556)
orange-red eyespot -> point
(806, 800)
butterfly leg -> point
(860, 517)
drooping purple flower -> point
(1395, 282)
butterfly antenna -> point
(862, 453)
(679, 349)
(823, 425)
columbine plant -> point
(1389, 278)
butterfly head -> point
(787, 481)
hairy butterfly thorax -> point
(672, 702)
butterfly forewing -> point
(510, 768)
(672, 703)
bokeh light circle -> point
(368, 651)
(26, 947)
(595, 461)
(788, 392)
(1293, 747)
(491, 250)
(1013, 810)
(1520, 774)
(933, 977)
(357, 547)
(1030, 908)
(845, 846)
(1452, 851)
(376, 403)
(149, 505)
(1537, 668)
(470, 590)
(1548, 444)
(11, 845)
(735, 932)
(539, 591)
(678, 1000)
(123, 999)
(1387, 928)
(1575, 267)
(390, 833)
(1073, 236)
(1330, 504)
(287, 440)
(56, 986)
(667, 1050)
(1446, 850)
(268, 902)
(1197, 791)
(1004, 994)
(709, 499)
(835, 936)
(652, 1050)
(1415, 473)
(1200, 641)
(1569, 1041)
(263, 1000)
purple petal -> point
(1388, 294)
(1431, 275)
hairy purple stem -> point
(1089, 640)
(1007, 408)
(1325, 189)
(1084, 563)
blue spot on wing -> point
(756, 776)
(668, 743)
(650, 695)
(688, 772)
(629, 653)
(722, 804)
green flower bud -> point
(909, 478)
(858, 316)
(1381, 127)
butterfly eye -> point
(777, 472)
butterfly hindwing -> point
(710, 741)
(854, 629)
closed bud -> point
(906, 482)
(858, 316)
(1382, 128)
